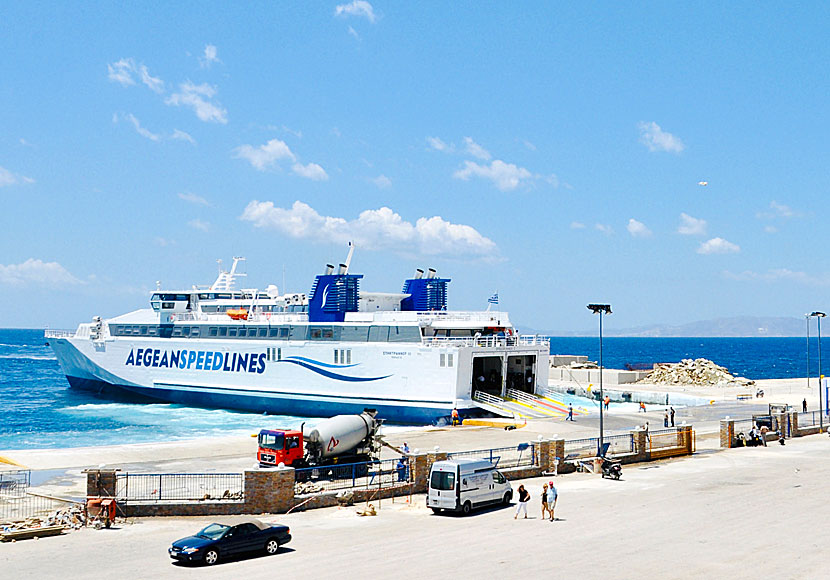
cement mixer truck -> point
(341, 439)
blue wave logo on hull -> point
(314, 366)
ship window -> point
(263, 332)
(204, 296)
(299, 332)
(272, 332)
(354, 333)
(449, 360)
(232, 331)
(195, 332)
(168, 305)
(223, 296)
(153, 331)
(316, 333)
(404, 334)
(378, 333)
(279, 354)
(349, 357)
(283, 332)
(185, 331)
(177, 331)
(213, 331)
(443, 362)
(336, 355)
(223, 331)
(144, 330)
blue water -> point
(39, 410)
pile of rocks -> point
(700, 372)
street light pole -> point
(600, 309)
(819, 316)
(807, 318)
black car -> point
(224, 539)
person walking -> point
(671, 416)
(606, 401)
(455, 419)
(666, 418)
(645, 428)
(553, 495)
(545, 509)
(524, 498)
(642, 407)
(804, 405)
(570, 416)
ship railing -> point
(59, 333)
(471, 315)
(487, 341)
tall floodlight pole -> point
(819, 316)
(600, 309)
(807, 317)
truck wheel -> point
(436, 510)
(506, 499)
(466, 508)
(272, 547)
(211, 557)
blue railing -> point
(521, 455)
(370, 474)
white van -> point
(462, 484)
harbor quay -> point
(705, 514)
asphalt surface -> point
(741, 513)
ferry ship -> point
(336, 350)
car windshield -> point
(214, 531)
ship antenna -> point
(349, 257)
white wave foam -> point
(27, 357)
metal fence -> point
(811, 419)
(665, 439)
(170, 487)
(370, 475)
(522, 455)
(18, 503)
(743, 426)
(588, 447)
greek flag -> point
(494, 299)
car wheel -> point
(506, 499)
(436, 510)
(466, 508)
(211, 557)
(272, 547)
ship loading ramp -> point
(506, 407)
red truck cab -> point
(277, 446)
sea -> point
(38, 409)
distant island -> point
(737, 326)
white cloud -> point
(141, 130)
(199, 98)
(638, 229)
(8, 178)
(121, 72)
(529, 145)
(310, 171)
(782, 210)
(354, 33)
(718, 246)
(164, 242)
(155, 84)
(653, 137)
(770, 229)
(604, 228)
(36, 272)
(198, 224)
(577, 226)
(382, 181)
(373, 229)
(505, 176)
(475, 149)
(265, 155)
(124, 71)
(356, 8)
(182, 136)
(211, 55)
(270, 153)
(691, 226)
(437, 144)
(195, 199)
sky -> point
(668, 159)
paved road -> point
(743, 513)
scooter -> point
(611, 468)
